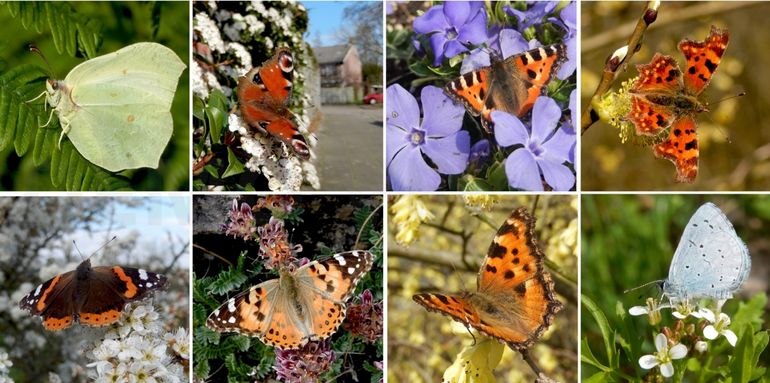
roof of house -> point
(331, 55)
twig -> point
(616, 61)
(363, 225)
(211, 253)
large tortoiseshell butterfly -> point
(514, 302)
(264, 94)
(511, 85)
(664, 97)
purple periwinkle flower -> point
(452, 26)
(544, 149)
(438, 137)
(569, 17)
(536, 11)
(481, 152)
(510, 42)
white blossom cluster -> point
(5, 366)
(138, 349)
(230, 36)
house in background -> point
(341, 78)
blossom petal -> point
(679, 351)
(569, 15)
(731, 337)
(678, 315)
(667, 370)
(450, 153)
(475, 30)
(457, 12)
(661, 342)
(396, 139)
(431, 21)
(573, 109)
(442, 115)
(512, 42)
(509, 130)
(437, 43)
(648, 361)
(724, 319)
(409, 172)
(478, 58)
(638, 310)
(558, 176)
(559, 144)
(402, 110)
(522, 171)
(545, 115)
(567, 68)
(710, 332)
(454, 48)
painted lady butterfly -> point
(661, 98)
(302, 305)
(511, 85)
(264, 94)
(515, 300)
(92, 296)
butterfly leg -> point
(40, 95)
(65, 129)
(50, 117)
(467, 327)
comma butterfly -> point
(665, 97)
(264, 94)
(302, 305)
(511, 85)
(515, 301)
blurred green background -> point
(629, 240)
(734, 136)
(119, 24)
(446, 257)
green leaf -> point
(604, 326)
(227, 281)
(587, 356)
(201, 368)
(216, 115)
(741, 362)
(234, 165)
(477, 184)
(599, 377)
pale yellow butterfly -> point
(115, 108)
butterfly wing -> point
(102, 297)
(711, 261)
(661, 75)
(514, 280)
(264, 94)
(511, 86)
(648, 118)
(703, 57)
(681, 148)
(326, 285)
(248, 313)
(119, 104)
(456, 307)
(53, 300)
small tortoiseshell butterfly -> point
(661, 98)
(93, 296)
(302, 305)
(511, 85)
(515, 300)
(264, 94)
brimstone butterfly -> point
(115, 108)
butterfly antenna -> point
(101, 247)
(720, 127)
(35, 49)
(659, 282)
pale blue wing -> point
(711, 261)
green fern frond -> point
(69, 29)
(21, 125)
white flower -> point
(718, 327)
(209, 32)
(5, 363)
(683, 309)
(198, 84)
(701, 346)
(663, 357)
(652, 310)
(179, 342)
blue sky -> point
(325, 19)
(153, 221)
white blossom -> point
(664, 356)
(209, 32)
(718, 326)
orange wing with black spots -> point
(264, 94)
(511, 85)
(703, 57)
(307, 304)
(663, 97)
(89, 296)
(515, 301)
(681, 148)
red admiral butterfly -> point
(90, 296)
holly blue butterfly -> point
(711, 261)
